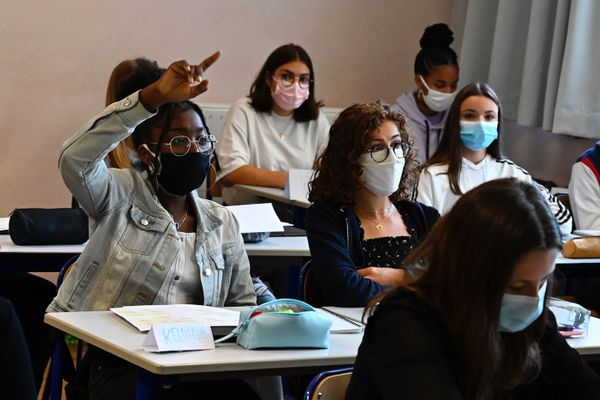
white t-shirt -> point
(267, 140)
(434, 185)
(584, 194)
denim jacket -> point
(133, 239)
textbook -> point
(344, 320)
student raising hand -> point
(181, 81)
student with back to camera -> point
(278, 127)
(361, 226)
(436, 78)
(475, 324)
(470, 153)
(153, 240)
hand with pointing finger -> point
(181, 81)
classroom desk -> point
(51, 258)
(271, 194)
(109, 332)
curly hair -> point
(338, 173)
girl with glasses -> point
(474, 325)
(470, 154)
(361, 225)
(153, 240)
(276, 128)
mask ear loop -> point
(204, 192)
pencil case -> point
(283, 323)
(585, 247)
(48, 226)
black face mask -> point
(180, 175)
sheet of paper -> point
(143, 317)
(256, 218)
(296, 187)
(178, 337)
(4, 224)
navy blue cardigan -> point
(335, 240)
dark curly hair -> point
(260, 93)
(337, 177)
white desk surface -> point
(561, 260)
(109, 332)
(281, 246)
(271, 193)
(7, 246)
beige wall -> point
(57, 56)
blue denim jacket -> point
(133, 239)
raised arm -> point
(81, 160)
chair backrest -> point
(309, 290)
(64, 271)
(329, 385)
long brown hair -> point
(449, 150)
(126, 78)
(337, 176)
(469, 258)
(260, 93)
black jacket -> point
(335, 240)
(405, 354)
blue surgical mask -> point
(518, 311)
(478, 135)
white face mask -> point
(382, 178)
(436, 100)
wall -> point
(545, 155)
(57, 57)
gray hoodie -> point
(425, 129)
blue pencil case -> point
(283, 323)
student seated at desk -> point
(277, 127)
(470, 153)
(153, 240)
(436, 77)
(475, 325)
(30, 295)
(584, 189)
(361, 226)
(16, 374)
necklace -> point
(377, 222)
(181, 221)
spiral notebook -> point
(341, 323)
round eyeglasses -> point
(181, 145)
(379, 153)
(287, 79)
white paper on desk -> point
(296, 187)
(4, 224)
(143, 317)
(256, 218)
(178, 337)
